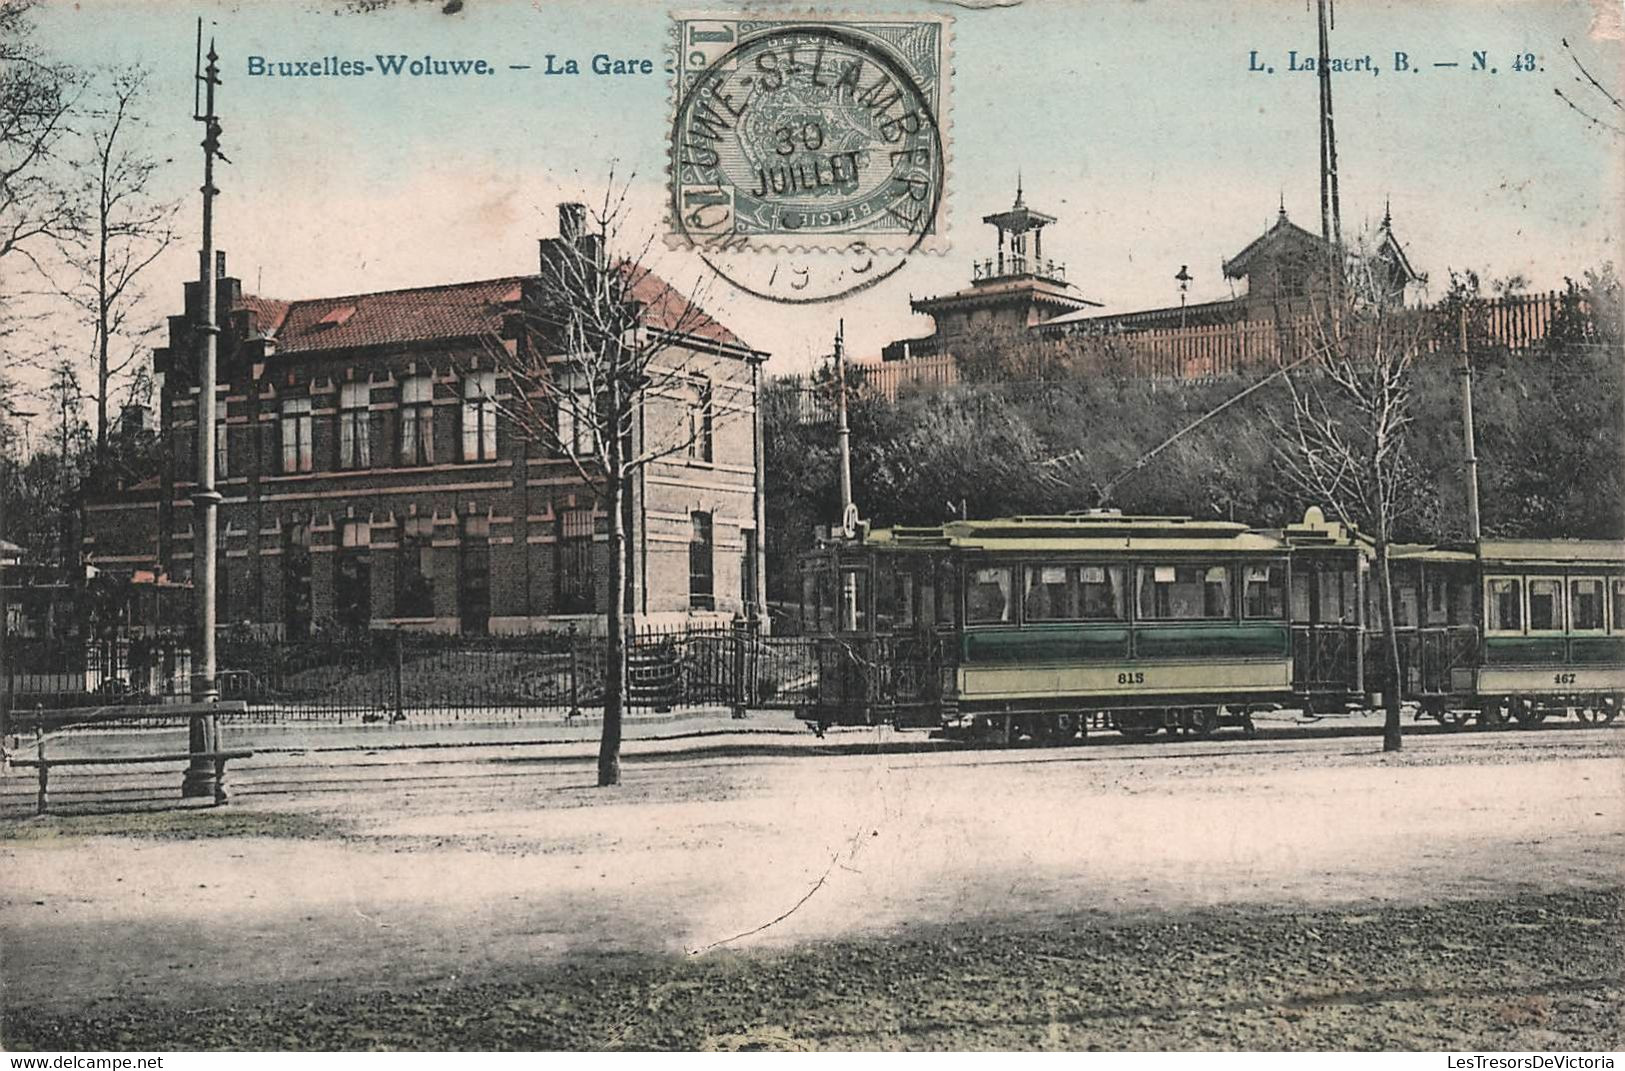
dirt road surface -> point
(758, 892)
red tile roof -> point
(268, 312)
(453, 311)
(666, 309)
(460, 310)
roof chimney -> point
(572, 222)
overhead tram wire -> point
(1110, 485)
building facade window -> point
(352, 581)
(479, 416)
(575, 424)
(573, 560)
(701, 421)
(222, 450)
(297, 455)
(414, 590)
(355, 431)
(474, 576)
(701, 568)
(417, 420)
(747, 572)
(296, 612)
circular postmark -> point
(806, 160)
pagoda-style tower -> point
(1014, 224)
(1013, 290)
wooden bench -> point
(44, 764)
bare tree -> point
(608, 366)
(36, 100)
(1343, 441)
(125, 229)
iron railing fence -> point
(419, 677)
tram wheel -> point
(1202, 723)
(1137, 730)
(1492, 714)
(1527, 714)
(1452, 718)
(1064, 728)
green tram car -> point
(1049, 626)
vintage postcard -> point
(584, 526)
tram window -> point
(1619, 604)
(1405, 604)
(885, 595)
(1262, 596)
(1331, 596)
(1585, 605)
(905, 600)
(1184, 592)
(1301, 579)
(947, 596)
(1052, 593)
(809, 601)
(1102, 592)
(1461, 602)
(852, 600)
(1505, 607)
(826, 602)
(987, 597)
(928, 600)
(1545, 605)
(1438, 601)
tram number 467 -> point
(1131, 678)
(1560, 678)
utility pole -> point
(1331, 215)
(1464, 366)
(204, 729)
(849, 509)
(6, 674)
(843, 434)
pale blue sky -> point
(1137, 123)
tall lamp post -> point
(204, 728)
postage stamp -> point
(809, 132)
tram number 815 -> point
(1131, 678)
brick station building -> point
(371, 479)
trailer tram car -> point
(1554, 633)
(1049, 626)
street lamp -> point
(1184, 278)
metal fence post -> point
(400, 672)
(44, 770)
(741, 688)
(575, 677)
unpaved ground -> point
(492, 897)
